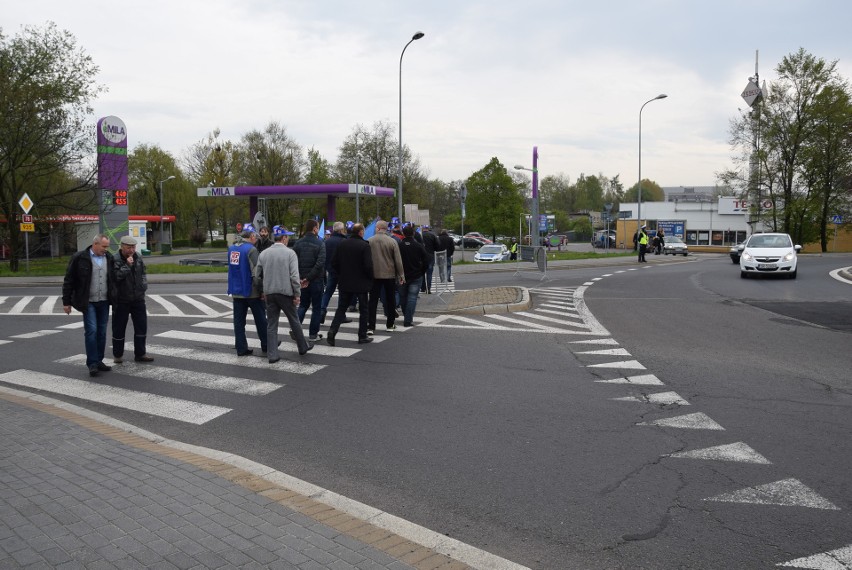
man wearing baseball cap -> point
(130, 285)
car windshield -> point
(490, 249)
(769, 241)
(673, 239)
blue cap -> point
(349, 224)
(279, 231)
(248, 228)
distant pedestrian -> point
(387, 272)
(642, 240)
(131, 282)
(87, 288)
(245, 293)
(310, 250)
(263, 240)
(277, 271)
(448, 245)
(415, 261)
(353, 263)
(513, 249)
(659, 241)
(431, 243)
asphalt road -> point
(522, 438)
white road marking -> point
(520, 322)
(74, 325)
(3, 299)
(5, 342)
(738, 452)
(697, 420)
(199, 305)
(606, 352)
(596, 341)
(18, 308)
(224, 302)
(170, 307)
(46, 307)
(35, 334)
(839, 559)
(222, 325)
(543, 318)
(227, 341)
(660, 398)
(231, 358)
(641, 380)
(186, 377)
(161, 406)
(630, 364)
(786, 493)
(587, 315)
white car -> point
(674, 245)
(772, 254)
(491, 253)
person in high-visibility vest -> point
(643, 245)
(513, 250)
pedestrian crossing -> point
(556, 310)
(172, 305)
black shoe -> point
(307, 350)
(408, 324)
(93, 370)
(144, 358)
(292, 335)
(330, 338)
(249, 352)
(346, 320)
(365, 340)
(273, 360)
(103, 367)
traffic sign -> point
(751, 94)
(837, 219)
(27, 227)
(25, 203)
(27, 219)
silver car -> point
(769, 254)
(675, 246)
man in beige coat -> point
(387, 272)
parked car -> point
(473, 242)
(477, 235)
(491, 253)
(736, 251)
(674, 245)
(769, 254)
(599, 239)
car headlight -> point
(789, 257)
(746, 256)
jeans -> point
(137, 312)
(426, 287)
(95, 321)
(312, 297)
(386, 290)
(408, 298)
(449, 268)
(330, 286)
(258, 311)
(275, 303)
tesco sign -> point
(729, 205)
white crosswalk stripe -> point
(284, 333)
(153, 404)
(171, 305)
(228, 341)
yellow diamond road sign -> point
(26, 204)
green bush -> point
(180, 243)
(217, 243)
(197, 238)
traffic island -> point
(490, 300)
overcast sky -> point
(490, 78)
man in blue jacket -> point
(245, 295)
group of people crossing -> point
(268, 277)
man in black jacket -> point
(415, 261)
(353, 262)
(431, 243)
(311, 253)
(130, 285)
(87, 288)
(448, 245)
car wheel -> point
(685, 254)
(735, 261)
(744, 274)
(792, 274)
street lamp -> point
(162, 233)
(639, 189)
(416, 36)
(535, 236)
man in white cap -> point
(130, 284)
(643, 244)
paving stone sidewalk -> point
(78, 493)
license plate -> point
(766, 266)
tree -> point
(494, 201)
(147, 165)
(651, 192)
(46, 88)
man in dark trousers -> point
(414, 264)
(131, 282)
(642, 240)
(431, 243)
(88, 288)
(311, 253)
(448, 245)
(353, 262)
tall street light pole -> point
(639, 189)
(162, 233)
(416, 36)
(535, 228)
